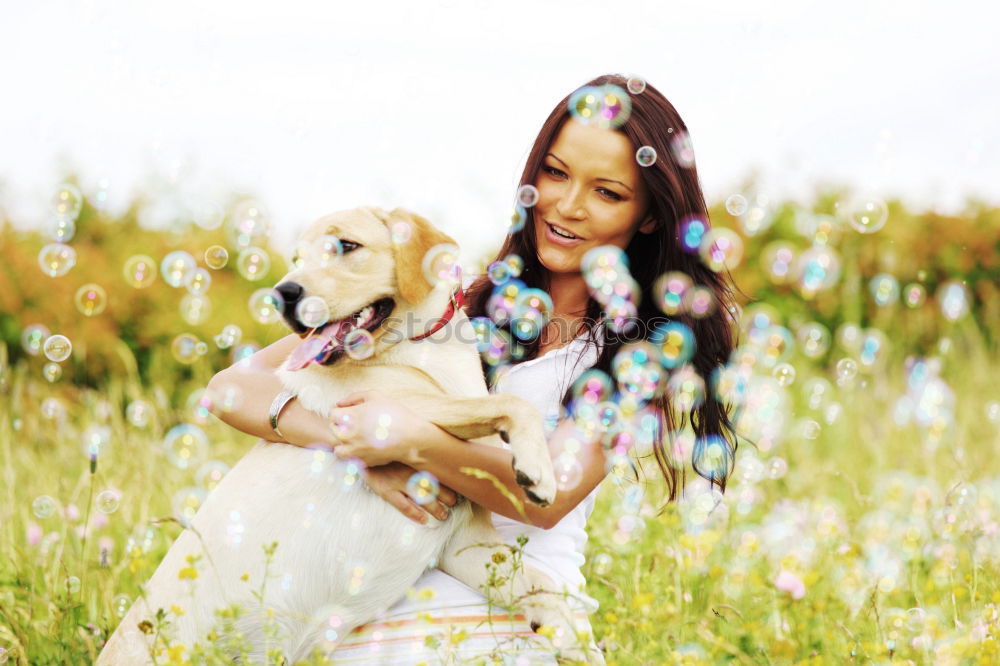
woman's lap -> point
(443, 621)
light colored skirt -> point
(446, 622)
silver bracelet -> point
(279, 403)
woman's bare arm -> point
(444, 455)
(258, 385)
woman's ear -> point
(649, 225)
(409, 253)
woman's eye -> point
(609, 194)
(552, 171)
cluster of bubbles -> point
(605, 270)
(607, 106)
(58, 258)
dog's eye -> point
(296, 261)
(349, 245)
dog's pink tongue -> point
(306, 352)
(319, 347)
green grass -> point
(892, 529)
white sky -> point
(319, 106)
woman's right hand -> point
(389, 483)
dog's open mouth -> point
(327, 344)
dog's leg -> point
(514, 419)
(477, 549)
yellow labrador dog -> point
(327, 532)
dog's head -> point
(351, 271)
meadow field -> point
(861, 523)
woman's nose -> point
(570, 204)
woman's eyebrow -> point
(606, 180)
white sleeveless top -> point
(557, 551)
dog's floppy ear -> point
(409, 250)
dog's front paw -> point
(551, 621)
(538, 481)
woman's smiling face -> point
(589, 186)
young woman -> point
(593, 190)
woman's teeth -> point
(559, 232)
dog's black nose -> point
(291, 294)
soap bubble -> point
(185, 445)
(518, 217)
(914, 295)
(569, 472)
(423, 488)
(874, 347)
(91, 299)
(186, 502)
(847, 368)
(814, 339)
(712, 458)
(312, 312)
(138, 413)
(67, 202)
(249, 225)
(721, 248)
(33, 337)
(884, 289)
(682, 149)
(253, 263)
(736, 204)
(230, 335)
(676, 343)
(120, 604)
(208, 215)
(266, 306)
(199, 281)
(817, 268)
(532, 310)
(606, 106)
(72, 584)
(52, 372)
(778, 260)
(784, 373)
(953, 299)
(646, 156)
(669, 290)
(62, 231)
(57, 348)
(177, 268)
(185, 348)
(139, 271)
(691, 232)
(107, 501)
(498, 272)
(210, 474)
(636, 84)
(401, 231)
(44, 506)
(216, 257)
(56, 259)
(527, 195)
(440, 264)
(867, 214)
(515, 263)
(686, 389)
(359, 344)
(195, 308)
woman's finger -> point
(355, 398)
(408, 507)
(447, 496)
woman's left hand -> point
(375, 429)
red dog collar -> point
(456, 302)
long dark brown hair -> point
(675, 195)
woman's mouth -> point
(561, 236)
